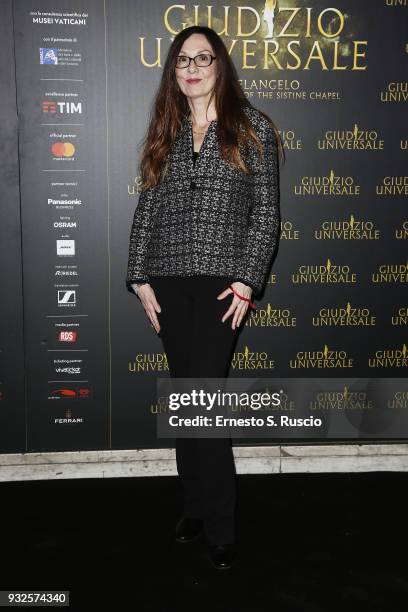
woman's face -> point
(202, 78)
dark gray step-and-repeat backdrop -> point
(79, 359)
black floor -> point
(309, 542)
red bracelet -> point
(252, 305)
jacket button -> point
(193, 185)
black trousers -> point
(198, 344)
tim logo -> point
(48, 56)
(67, 336)
(63, 108)
(49, 107)
(67, 297)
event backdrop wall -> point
(79, 358)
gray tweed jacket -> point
(209, 218)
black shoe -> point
(188, 529)
(222, 555)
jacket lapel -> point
(187, 143)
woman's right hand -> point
(147, 296)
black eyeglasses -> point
(202, 60)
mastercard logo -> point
(63, 149)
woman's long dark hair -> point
(170, 106)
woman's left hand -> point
(238, 307)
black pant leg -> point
(175, 318)
(174, 297)
(213, 343)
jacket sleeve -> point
(140, 232)
(263, 219)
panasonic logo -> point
(64, 202)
